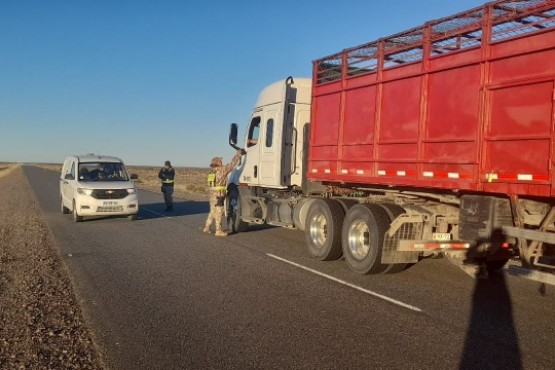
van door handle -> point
(255, 172)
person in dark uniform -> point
(167, 175)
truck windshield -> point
(98, 171)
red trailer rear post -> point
(439, 138)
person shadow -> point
(150, 211)
(491, 339)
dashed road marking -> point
(377, 295)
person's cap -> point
(216, 162)
(167, 163)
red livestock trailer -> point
(439, 139)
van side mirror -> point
(134, 176)
(69, 176)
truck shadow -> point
(491, 339)
(185, 208)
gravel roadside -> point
(41, 324)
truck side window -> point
(269, 132)
(254, 132)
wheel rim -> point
(358, 239)
(318, 230)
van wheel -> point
(133, 217)
(63, 208)
(362, 237)
(76, 217)
(323, 229)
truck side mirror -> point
(69, 176)
(134, 176)
(233, 134)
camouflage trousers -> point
(216, 214)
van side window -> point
(73, 170)
(269, 132)
(254, 132)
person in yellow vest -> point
(217, 183)
(167, 175)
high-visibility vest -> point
(211, 179)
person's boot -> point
(206, 229)
(220, 233)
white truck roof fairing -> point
(275, 92)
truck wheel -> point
(323, 229)
(76, 217)
(133, 217)
(362, 238)
(233, 211)
(63, 208)
(393, 211)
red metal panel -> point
(518, 137)
(358, 152)
(453, 104)
(465, 102)
(400, 113)
(524, 66)
(327, 114)
(521, 111)
(359, 118)
(467, 56)
(398, 152)
(450, 152)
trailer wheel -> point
(362, 238)
(393, 211)
(323, 229)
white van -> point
(92, 185)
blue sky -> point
(154, 80)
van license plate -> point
(441, 236)
(108, 203)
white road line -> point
(385, 298)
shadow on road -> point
(491, 339)
(186, 208)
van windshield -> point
(100, 171)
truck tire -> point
(393, 211)
(233, 210)
(323, 229)
(362, 237)
(76, 217)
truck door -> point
(517, 138)
(263, 159)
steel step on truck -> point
(435, 141)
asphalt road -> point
(157, 293)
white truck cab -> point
(275, 136)
(93, 185)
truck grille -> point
(109, 194)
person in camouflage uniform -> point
(217, 182)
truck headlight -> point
(131, 191)
(84, 191)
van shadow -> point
(186, 208)
(491, 339)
